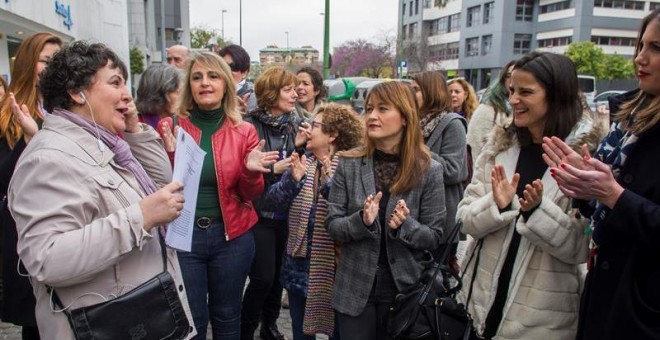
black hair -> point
(317, 81)
(240, 57)
(558, 76)
(71, 70)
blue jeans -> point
(297, 303)
(218, 269)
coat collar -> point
(86, 141)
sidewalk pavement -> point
(12, 332)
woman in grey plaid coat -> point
(386, 210)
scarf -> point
(319, 314)
(284, 120)
(613, 150)
(430, 121)
(123, 155)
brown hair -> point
(414, 156)
(644, 105)
(213, 62)
(267, 87)
(434, 91)
(343, 121)
(470, 104)
(24, 84)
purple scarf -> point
(123, 155)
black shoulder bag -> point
(152, 310)
(428, 309)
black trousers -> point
(262, 299)
(370, 324)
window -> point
(473, 16)
(654, 6)
(562, 41)
(404, 30)
(489, 9)
(613, 41)
(472, 47)
(416, 7)
(452, 51)
(486, 44)
(404, 10)
(443, 25)
(620, 4)
(454, 22)
(427, 3)
(521, 43)
(410, 9)
(557, 6)
(413, 30)
(437, 3)
(524, 10)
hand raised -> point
(399, 215)
(298, 166)
(370, 210)
(259, 161)
(532, 195)
(557, 152)
(503, 190)
(304, 133)
(163, 206)
(132, 124)
(598, 183)
(22, 116)
(169, 138)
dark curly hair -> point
(72, 70)
(342, 120)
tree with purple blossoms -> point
(360, 58)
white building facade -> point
(104, 21)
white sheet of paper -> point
(188, 160)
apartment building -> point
(475, 38)
(273, 55)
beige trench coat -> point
(79, 220)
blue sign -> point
(65, 12)
(404, 63)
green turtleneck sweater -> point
(208, 200)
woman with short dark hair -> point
(527, 244)
(157, 93)
(311, 92)
(87, 203)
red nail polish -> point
(562, 165)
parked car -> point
(602, 99)
(361, 91)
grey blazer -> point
(408, 248)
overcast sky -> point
(265, 21)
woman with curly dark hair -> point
(311, 92)
(308, 267)
(87, 203)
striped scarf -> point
(319, 315)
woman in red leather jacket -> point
(223, 244)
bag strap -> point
(423, 294)
(479, 245)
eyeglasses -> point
(317, 124)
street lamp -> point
(326, 41)
(223, 25)
(240, 22)
(287, 40)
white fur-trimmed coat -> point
(547, 279)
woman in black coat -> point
(621, 299)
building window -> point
(404, 9)
(404, 30)
(437, 3)
(452, 50)
(427, 3)
(486, 43)
(443, 25)
(416, 7)
(557, 6)
(413, 30)
(620, 4)
(521, 43)
(472, 47)
(473, 16)
(613, 41)
(454, 22)
(489, 10)
(410, 9)
(654, 6)
(524, 10)
(552, 42)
